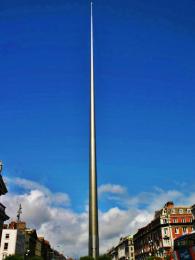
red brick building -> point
(157, 238)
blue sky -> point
(144, 80)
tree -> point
(104, 257)
(36, 258)
(101, 257)
(14, 257)
(86, 258)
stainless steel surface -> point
(93, 202)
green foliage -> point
(36, 258)
(14, 257)
(86, 258)
(104, 257)
(101, 257)
(18, 257)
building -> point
(23, 241)
(3, 191)
(39, 247)
(12, 242)
(21, 225)
(17, 239)
(124, 250)
(57, 255)
(193, 214)
(47, 255)
(30, 242)
(157, 238)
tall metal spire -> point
(93, 201)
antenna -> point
(19, 212)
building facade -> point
(3, 191)
(17, 239)
(30, 242)
(124, 250)
(12, 242)
(157, 238)
(193, 215)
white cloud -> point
(56, 198)
(111, 188)
(50, 213)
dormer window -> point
(180, 211)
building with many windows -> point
(157, 238)
(124, 250)
(17, 239)
(193, 214)
(12, 243)
(3, 191)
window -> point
(184, 229)
(5, 246)
(6, 236)
(175, 220)
(176, 230)
(180, 211)
(188, 210)
(183, 220)
(164, 220)
(165, 231)
(173, 211)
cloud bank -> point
(54, 218)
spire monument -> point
(93, 201)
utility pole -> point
(19, 212)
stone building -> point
(157, 238)
(124, 250)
